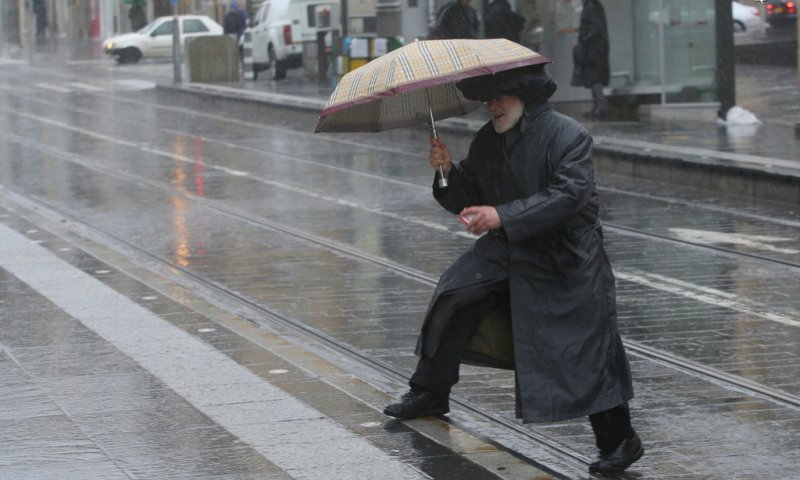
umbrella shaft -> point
(442, 179)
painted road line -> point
(756, 242)
(135, 84)
(292, 435)
(86, 87)
(706, 295)
(54, 88)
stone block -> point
(213, 59)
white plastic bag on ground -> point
(739, 116)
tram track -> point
(265, 313)
(271, 318)
(274, 318)
(386, 178)
(430, 280)
(673, 361)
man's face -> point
(505, 112)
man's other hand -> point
(479, 220)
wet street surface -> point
(230, 228)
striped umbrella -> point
(416, 84)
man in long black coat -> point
(536, 292)
(590, 56)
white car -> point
(155, 40)
(280, 27)
(746, 18)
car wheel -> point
(738, 26)
(130, 55)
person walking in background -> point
(536, 292)
(590, 56)
(137, 16)
(40, 10)
(502, 22)
(456, 19)
(235, 21)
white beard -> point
(510, 118)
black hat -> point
(530, 83)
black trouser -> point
(440, 373)
(611, 427)
(599, 99)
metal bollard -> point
(247, 56)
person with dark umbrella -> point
(535, 293)
(502, 22)
(590, 56)
(456, 19)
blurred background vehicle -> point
(781, 13)
(746, 18)
(280, 27)
(155, 39)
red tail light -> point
(791, 7)
(770, 7)
(287, 34)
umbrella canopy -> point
(404, 86)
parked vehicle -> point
(280, 27)
(781, 13)
(746, 18)
(155, 39)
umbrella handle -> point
(442, 179)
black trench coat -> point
(566, 349)
(590, 54)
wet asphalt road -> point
(339, 233)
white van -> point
(280, 27)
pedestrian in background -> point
(536, 292)
(40, 10)
(456, 19)
(590, 57)
(137, 16)
(235, 21)
(502, 22)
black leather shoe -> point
(417, 403)
(620, 458)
